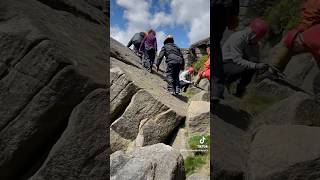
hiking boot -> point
(177, 91)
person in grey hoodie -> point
(241, 55)
(136, 41)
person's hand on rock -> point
(262, 66)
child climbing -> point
(149, 48)
(304, 38)
(186, 78)
(174, 61)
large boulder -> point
(307, 83)
(284, 151)
(157, 129)
(41, 120)
(180, 142)
(198, 118)
(299, 67)
(121, 91)
(298, 109)
(158, 161)
(204, 84)
(142, 106)
(80, 151)
(273, 89)
(228, 155)
(53, 54)
(124, 54)
(201, 96)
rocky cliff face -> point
(53, 96)
(146, 121)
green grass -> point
(194, 141)
(190, 93)
(199, 64)
(282, 17)
(192, 163)
(255, 102)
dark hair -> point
(152, 31)
(168, 40)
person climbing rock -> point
(205, 73)
(304, 38)
(136, 42)
(224, 14)
(241, 55)
(149, 48)
(175, 63)
(186, 78)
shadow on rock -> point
(182, 98)
(238, 118)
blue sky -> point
(187, 20)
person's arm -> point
(161, 55)
(142, 44)
(129, 43)
(237, 54)
(183, 77)
(183, 62)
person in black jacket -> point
(175, 63)
(224, 13)
(136, 41)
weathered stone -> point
(158, 161)
(124, 54)
(279, 149)
(299, 67)
(228, 156)
(298, 109)
(272, 89)
(142, 106)
(198, 118)
(307, 83)
(80, 151)
(117, 142)
(158, 129)
(180, 142)
(201, 96)
(41, 120)
(121, 91)
(53, 54)
(204, 84)
(197, 177)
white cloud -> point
(194, 15)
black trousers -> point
(184, 85)
(218, 25)
(149, 56)
(172, 74)
(234, 72)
